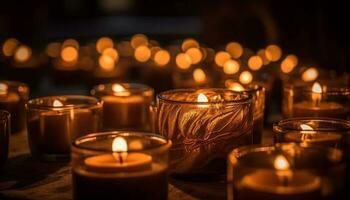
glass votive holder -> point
(204, 125)
(316, 101)
(4, 135)
(13, 96)
(120, 164)
(258, 95)
(313, 131)
(126, 106)
(285, 171)
(54, 122)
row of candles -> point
(197, 129)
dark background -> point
(317, 31)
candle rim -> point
(38, 104)
(165, 142)
(280, 126)
(133, 88)
(246, 97)
(331, 90)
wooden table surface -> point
(25, 178)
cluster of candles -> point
(197, 132)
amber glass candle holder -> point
(316, 101)
(285, 171)
(204, 125)
(4, 135)
(120, 164)
(13, 96)
(54, 122)
(126, 106)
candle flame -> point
(281, 163)
(306, 127)
(3, 88)
(199, 75)
(57, 103)
(118, 88)
(234, 86)
(202, 98)
(316, 88)
(245, 77)
(119, 145)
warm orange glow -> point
(139, 40)
(119, 145)
(69, 54)
(106, 62)
(310, 74)
(255, 63)
(231, 67)
(53, 49)
(281, 163)
(221, 57)
(57, 103)
(245, 77)
(199, 75)
(9, 46)
(306, 127)
(202, 98)
(70, 42)
(3, 88)
(273, 52)
(142, 53)
(195, 54)
(316, 93)
(289, 63)
(23, 53)
(189, 43)
(104, 43)
(316, 88)
(162, 57)
(234, 49)
(183, 61)
(111, 52)
(262, 55)
(234, 86)
(117, 88)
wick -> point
(120, 158)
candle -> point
(116, 172)
(54, 122)
(12, 98)
(4, 135)
(320, 104)
(203, 125)
(125, 106)
(284, 171)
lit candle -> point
(317, 107)
(12, 98)
(54, 122)
(125, 106)
(138, 174)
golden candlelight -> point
(53, 49)
(183, 61)
(316, 93)
(139, 40)
(120, 146)
(69, 54)
(106, 62)
(195, 54)
(202, 98)
(111, 52)
(255, 63)
(199, 75)
(142, 53)
(9, 46)
(234, 86)
(189, 43)
(273, 53)
(3, 89)
(231, 67)
(104, 43)
(221, 57)
(310, 74)
(245, 77)
(23, 53)
(162, 57)
(117, 88)
(282, 166)
(234, 49)
(307, 132)
(289, 63)
(57, 103)
(281, 163)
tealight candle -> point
(319, 102)
(54, 122)
(125, 105)
(13, 96)
(126, 165)
(4, 135)
(285, 171)
(203, 126)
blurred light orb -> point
(310, 74)
(221, 57)
(189, 43)
(245, 77)
(183, 61)
(231, 67)
(234, 49)
(289, 63)
(255, 63)
(9, 47)
(162, 57)
(199, 75)
(139, 40)
(195, 54)
(23, 53)
(104, 43)
(69, 54)
(106, 62)
(142, 53)
(273, 52)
